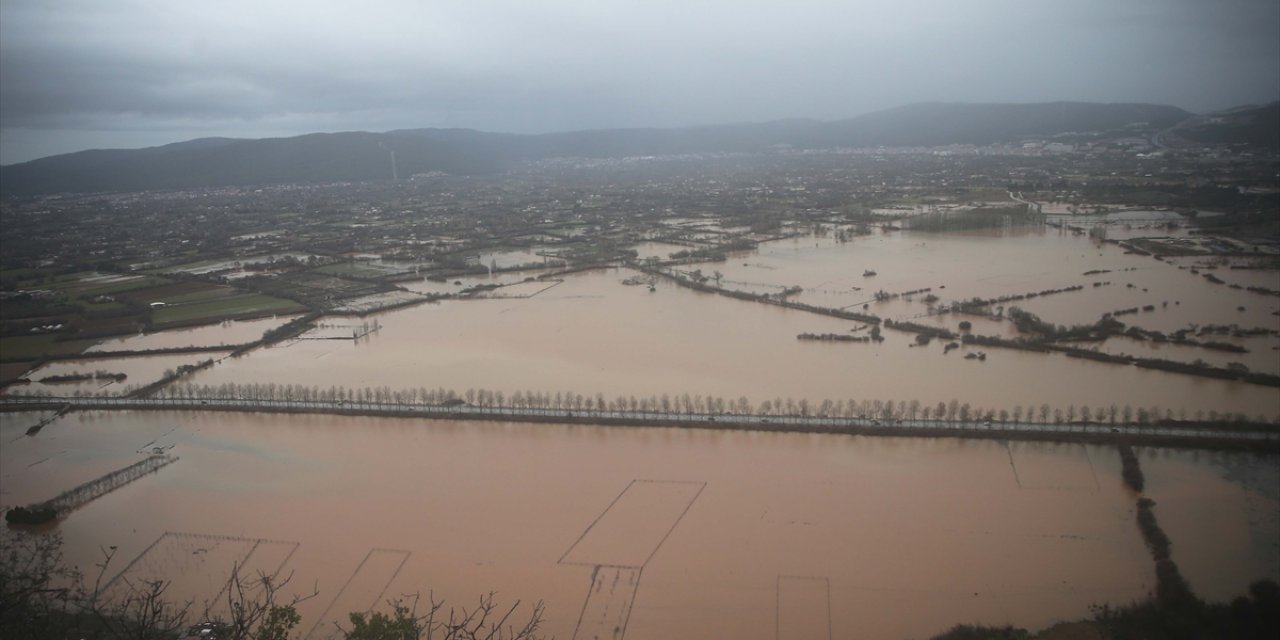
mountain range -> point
(360, 156)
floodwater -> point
(462, 282)
(139, 371)
(1180, 480)
(961, 266)
(715, 534)
(659, 250)
(231, 332)
(591, 334)
(676, 533)
(505, 259)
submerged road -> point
(1182, 434)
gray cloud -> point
(138, 72)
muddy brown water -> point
(698, 533)
(960, 266)
(591, 334)
(224, 333)
(692, 533)
(140, 371)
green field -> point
(113, 288)
(233, 306)
(96, 309)
(15, 347)
(24, 277)
(77, 284)
(353, 270)
(201, 293)
(13, 370)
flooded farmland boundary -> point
(1196, 369)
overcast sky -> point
(134, 73)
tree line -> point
(676, 404)
(698, 404)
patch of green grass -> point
(352, 270)
(171, 291)
(100, 307)
(199, 264)
(90, 289)
(201, 295)
(24, 277)
(13, 370)
(167, 265)
(12, 347)
(988, 195)
(62, 282)
(253, 303)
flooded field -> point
(960, 266)
(659, 250)
(1179, 480)
(457, 284)
(663, 533)
(591, 334)
(230, 332)
(138, 371)
(679, 527)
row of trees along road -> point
(696, 404)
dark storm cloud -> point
(79, 74)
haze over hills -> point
(1250, 124)
(358, 156)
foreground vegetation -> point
(1255, 616)
(42, 598)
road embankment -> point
(1254, 437)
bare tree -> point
(135, 610)
(35, 586)
(40, 597)
(255, 609)
(486, 620)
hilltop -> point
(1252, 125)
(361, 156)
